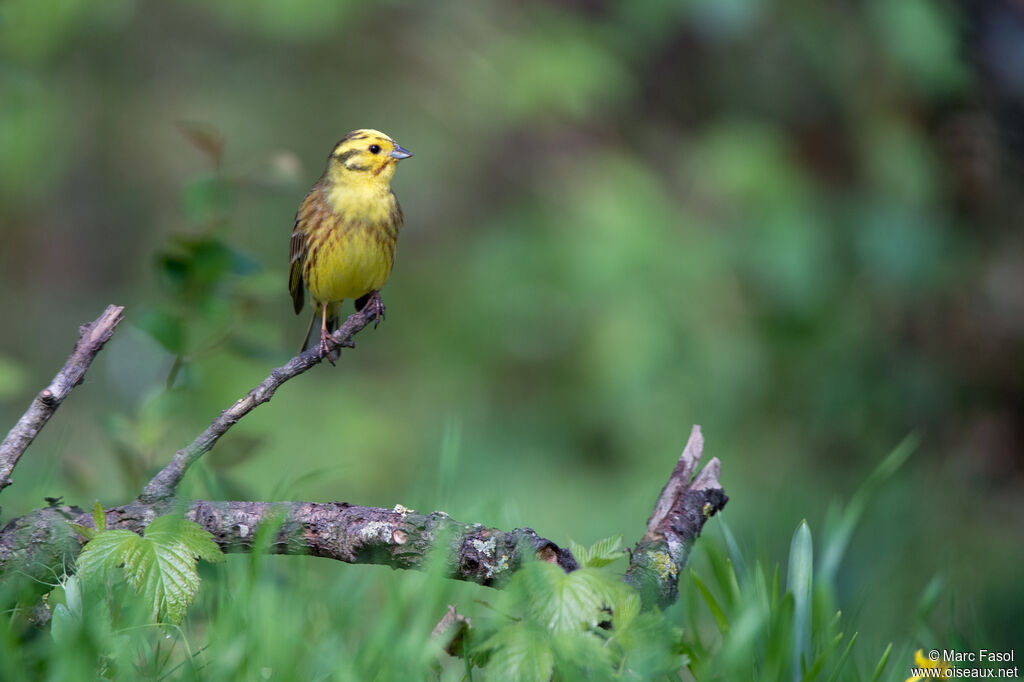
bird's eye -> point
(375, 149)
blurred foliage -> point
(795, 223)
(735, 620)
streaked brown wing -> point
(307, 220)
(296, 258)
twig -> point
(163, 485)
(91, 339)
(679, 515)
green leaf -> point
(601, 553)
(930, 597)
(160, 565)
(604, 552)
(716, 610)
(580, 552)
(882, 662)
(521, 652)
(733, 547)
(85, 531)
(625, 610)
(842, 659)
(165, 327)
(192, 536)
(839, 537)
(566, 602)
(64, 625)
(798, 583)
(73, 594)
(99, 517)
(105, 552)
(67, 617)
(581, 656)
(206, 198)
(13, 378)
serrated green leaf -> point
(160, 565)
(194, 538)
(581, 655)
(165, 575)
(650, 648)
(576, 599)
(99, 517)
(604, 552)
(579, 552)
(625, 610)
(579, 600)
(105, 552)
(521, 652)
(566, 602)
(601, 553)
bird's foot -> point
(374, 305)
(325, 347)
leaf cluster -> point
(581, 625)
(159, 565)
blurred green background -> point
(795, 223)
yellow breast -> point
(350, 263)
(352, 254)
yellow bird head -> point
(365, 157)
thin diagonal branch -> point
(92, 337)
(163, 485)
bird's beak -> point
(400, 153)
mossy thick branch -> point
(91, 339)
(41, 545)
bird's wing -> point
(296, 259)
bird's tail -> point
(312, 337)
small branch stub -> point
(451, 631)
(685, 504)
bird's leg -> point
(375, 306)
(325, 337)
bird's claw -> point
(375, 307)
(325, 348)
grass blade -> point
(798, 583)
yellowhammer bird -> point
(343, 242)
